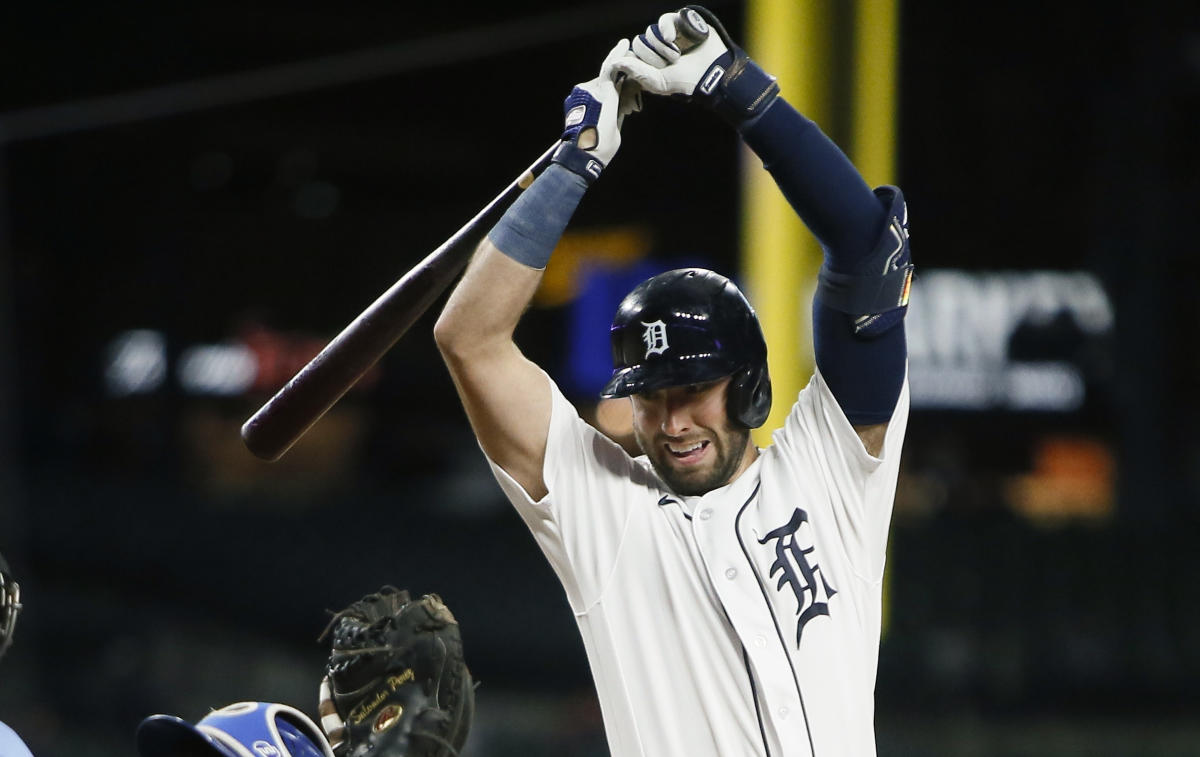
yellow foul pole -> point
(790, 39)
(876, 60)
(873, 150)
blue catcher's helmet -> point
(244, 729)
(689, 326)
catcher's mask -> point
(244, 729)
(691, 326)
(10, 605)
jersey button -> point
(705, 514)
(783, 713)
(760, 642)
(731, 573)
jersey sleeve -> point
(580, 523)
(860, 489)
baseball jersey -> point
(744, 621)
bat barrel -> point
(300, 403)
(278, 424)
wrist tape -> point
(529, 230)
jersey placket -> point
(736, 581)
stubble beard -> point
(691, 482)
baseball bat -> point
(304, 399)
(301, 402)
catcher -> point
(395, 685)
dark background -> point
(164, 570)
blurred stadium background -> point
(193, 200)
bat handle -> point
(692, 29)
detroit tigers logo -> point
(655, 337)
(797, 570)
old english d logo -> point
(655, 337)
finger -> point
(661, 38)
(645, 75)
(664, 37)
(647, 47)
(631, 98)
(647, 54)
(618, 51)
(667, 28)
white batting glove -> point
(593, 115)
(658, 64)
(713, 70)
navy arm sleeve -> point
(833, 200)
(819, 182)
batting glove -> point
(715, 72)
(593, 115)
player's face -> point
(686, 433)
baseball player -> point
(728, 596)
(10, 606)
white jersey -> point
(741, 622)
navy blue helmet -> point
(690, 326)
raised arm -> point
(506, 397)
(863, 290)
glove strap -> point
(737, 87)
(582, 111)
(734, 86)
(577, 161)
(748, 90)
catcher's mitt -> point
(396, 684)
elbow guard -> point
(875, 294)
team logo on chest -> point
(795, 562)
(655, 337)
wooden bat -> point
(301, 402)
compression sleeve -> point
(864, 373)
(819, 182)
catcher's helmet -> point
(236, 730)
(10, 605)
(689, 326)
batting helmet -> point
(10, 605)
(689, 326)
